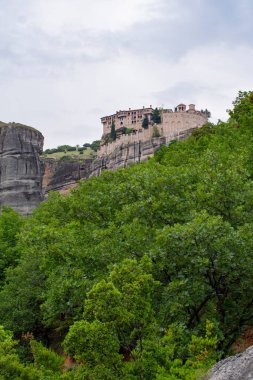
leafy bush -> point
(145, 123)
(155, 131)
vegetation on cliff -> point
(73, 151)
(156, 116)
(17, 125)
(142, 273)
(145, 122)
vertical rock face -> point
(20, 167)
(62, 175)
(133, 152)
(127, 154)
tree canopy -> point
(113, 134)
(145, 122)
(141, 273)
(156, 116)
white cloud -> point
(66, 63)
(56, 16)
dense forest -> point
(142, 273)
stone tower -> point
(20, 167)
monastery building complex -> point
(128, 125)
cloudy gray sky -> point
(66, 63)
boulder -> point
(238, 367)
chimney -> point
(191, 107)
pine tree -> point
(156, 117)
(145, 122)
(113, 132)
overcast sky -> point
(66, 63)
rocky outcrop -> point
(127, 154)
(64, 174)
(132, 152)
(26, 179)
(21, 169)
(238, 367)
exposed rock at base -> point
(133, 152)
(62, 175)
(127, 154)
(26, 177)
(238, 367)
(21, 169)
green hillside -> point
(87, 153)
(77, 152)
(143, 273)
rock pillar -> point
(20, 167)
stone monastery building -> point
(173, 124)
(127, 119)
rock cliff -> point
(26, 178)
(238, 367)
(127, 154)
(133, 152)
(21, 169)
(64, 174)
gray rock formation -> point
(63, 174)
(130, 153)
(127, 154)
(22, 171)
(20, 167)
(238, 367)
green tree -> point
(10, 365)
(95, 343)
(145, 122)
(222, 175)
(113, 134)
(95, 145)
(156, 116)
(200, 351)
(45, 359)
(191, 209)
(10, 226)
(155, 131)
(118, 315)
(21, 297)
(201, 264)
(243, 109)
